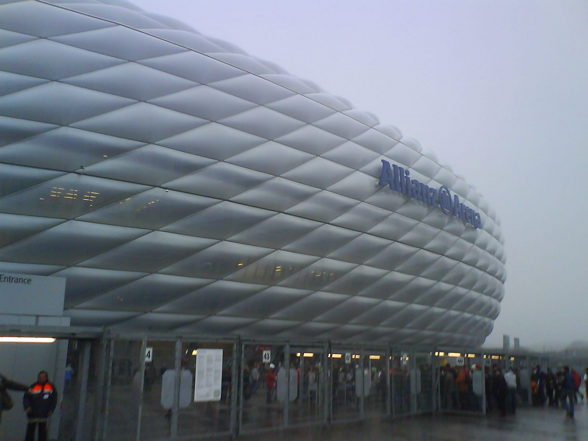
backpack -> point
(576, 379)
(6, 402)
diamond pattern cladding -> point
(181, 184)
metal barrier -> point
(462, 380)
(123, 387)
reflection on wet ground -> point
(529, 424)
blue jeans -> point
(568, 399)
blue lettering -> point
(444, 197)
(386, 175)
(398, 179)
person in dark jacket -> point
(39, 402)
(568, 391)
(500, 390)
(6, 384)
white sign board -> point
(284, 381)
(347, 358)
(266, 356)
(148, 354)
(209, 370)
(362, 384)
(459, 361)
(31, 295)
(168, 383)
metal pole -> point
(108, 349)
(528, 385)
(481, 359)
(177, 384)
(362, 394)
(300, 381)
(387, 377)
(327, 384)
(235, 391)
(84, 371)
(392, 387)
(287, 367)
(413, 383)
(435, 392)
(141, 386)
(324, 381)
(241, 402)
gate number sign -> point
(266, 356)
(148, 354)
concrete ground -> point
(530, 424)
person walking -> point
(5, 399)
(511, 392)
(568, 392)
(500, 390)
(550, 387)
(586, 383)
(577, 379)
(39, 403)
(270, 384)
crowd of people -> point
(561, 388)
(461, 390)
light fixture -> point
(308, 354)
(375, 357)
(27, 340)
(454, 354)
(336, 355)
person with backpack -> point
(6, 402)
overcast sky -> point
(497, 89)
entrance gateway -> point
(28, 301)
(123, 386)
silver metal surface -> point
(183, 185)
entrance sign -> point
(148, 354)
(460, 361)
(209, 370)
(347, 358)
(31, 295)
(266, 356)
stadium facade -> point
(178, 183)
(182, 186)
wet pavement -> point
(530, 424)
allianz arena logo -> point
(398, 179)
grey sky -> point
(497, 89)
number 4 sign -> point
(148, 354)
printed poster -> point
(209, 370)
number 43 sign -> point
(266, 356)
